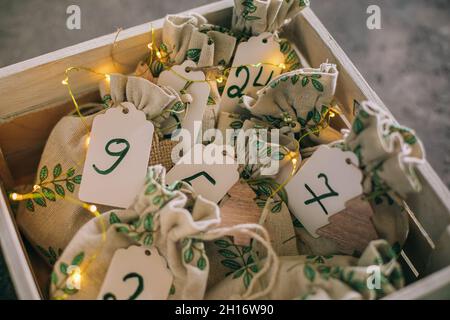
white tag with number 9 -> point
(117, 157)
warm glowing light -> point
(282, 66)
(108, 77)
(74, 279)
(150, 45)
(87, 141)
(14, 196)
(65, 81)
(219, 80)
(93, 208)
(35, 187)
(158, 54)
(332, 114)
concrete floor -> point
(407, 62)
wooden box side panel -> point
(36, 83)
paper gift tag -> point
(212, 181)
(199, 91)
(116, 161)
(136, 273)
(244, 78)
(322, 186)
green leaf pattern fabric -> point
(388, 155)
(254, 17)
(302, 96)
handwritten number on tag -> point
(238, 91)
(256, 81)
(318, 199)
(198, 175)
(137, 292)
(119, 154)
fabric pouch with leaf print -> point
(52, 217)
(298, 102)
(323, 277)
(258, 16)
(188, 36)
(173, 219)
(388, 154)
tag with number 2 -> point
(117, 158)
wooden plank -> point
(435, 286)
(14, 253)
(440, 257)
(37, 82)
(23, 138)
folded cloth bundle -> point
(48, 221)
(303, 95)
(172, 219)
(388, 155)
(320, 277)
(258, 16)
(188, 36)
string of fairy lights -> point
(219, 75)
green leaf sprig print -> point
(194, 54)
(193, 252)
(54, 188)
(239, 259)
(249, 8)
(51, 254)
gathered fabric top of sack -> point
(183, 227)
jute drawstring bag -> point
(52, 218)
(320, 277)
(303, 95)
(188, 36)
(258, 16)
(388, 155)
(172, 219)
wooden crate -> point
(33, 100)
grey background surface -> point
(407, 62)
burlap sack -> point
(49, 221)
(388, 155)
(188, 36)
(303, 95)
(258, 16)
(320, 277)
(173, 219)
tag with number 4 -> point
(321, 188)
(117, 158)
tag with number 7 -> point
(322, 187)
(117, 158)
